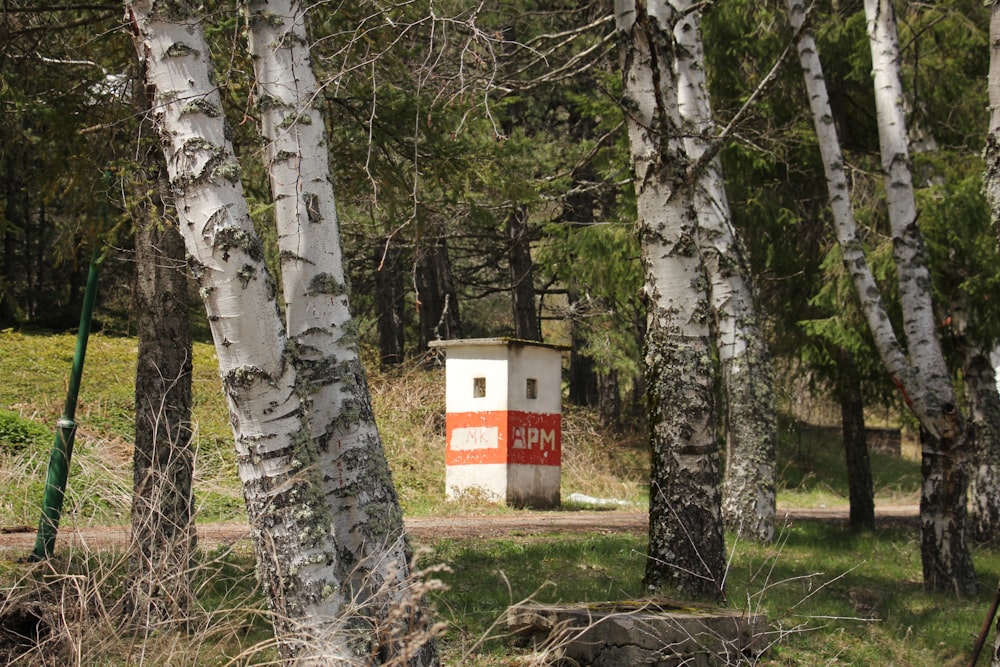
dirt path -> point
(17, 541)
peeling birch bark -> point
(268, 378)
(353, 475)
(920, 371)
(748, 501)
(686, 549)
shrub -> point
(17, 433)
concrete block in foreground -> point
(656, 633)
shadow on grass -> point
(827, 591)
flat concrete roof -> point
(504, 340)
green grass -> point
(408, 402)
(832, 596)
(812, 471)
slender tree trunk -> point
(946, 558)
(301, 418)
(436, 295)
(522, 275)
(991, 179)
(390, 305)
(748, 501)
(686, 549)
(582, 374)
(361, 500)
(8, 299)
(919, 372)
(859, 468)
(163, 536)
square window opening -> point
(531, 390)
(478, 387)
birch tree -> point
(991, 179)
(686, 549)
(748, 500)
(307, 450)
(918, 370)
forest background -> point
(483, 182)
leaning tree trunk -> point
(301, 563)
(162, 541)
(748, 500)
(360, 498)
(919, 372)
(686, 549)
(947, 562)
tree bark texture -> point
(163, 535)
(919, 372)
(947, 562)
(748, 503)
(346, 455)
(522, 283)
(686, 548)
(991, 178)
(859, 467)
(437, 298)
(390, 305)
(984, 417)
(305, 438)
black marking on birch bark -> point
(262, 20)
(195, 268)
(284, 156)
(236, 237)
(196, 145)
(271, 102)
(246, 376)
(288, 255)
(326, 283)
(180, 50)
(202, 106)
(311, 201)
(296, 118)
(350, 335)
(228, 170)
(246, 273)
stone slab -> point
(652, 632)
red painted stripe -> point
(521, 437)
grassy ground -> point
(833, 597)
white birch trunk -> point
(748, 501)
(991, 179)
(356, 482)
(919, 324)
(927, 389)
(686, 550)
(299, 559)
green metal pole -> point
(62, 449)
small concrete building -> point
(504, 420)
